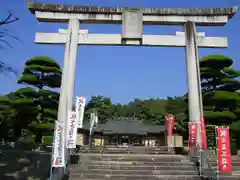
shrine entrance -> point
(132, 20)
(124, 140)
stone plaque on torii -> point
(132, 20)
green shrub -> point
(28, 143)
(48, 140)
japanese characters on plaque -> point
(224, 152)
(71, 130)
(132, 23)
(58, 159)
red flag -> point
(169, 122)
(193, 127)
(203, 132)
(224, 152)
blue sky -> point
(122, 73)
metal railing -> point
(205, 169)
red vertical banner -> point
(203, 133)
(193, 127)
(169, 122)
(224, 152)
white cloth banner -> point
(93, 121)
(58, 159)
(80, 106)
(71, 130)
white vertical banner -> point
(71, 130)
(92, 120)
(58, 159)
(96, 119)
(80, 106)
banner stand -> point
(198, 125)
(51, 172)
(89, 141)
(51, 168)
(216, 137)
(201, 149)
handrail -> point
(205, 168)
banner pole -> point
(230, 149)
(51, 170)
(200, 126)
(216, 137)
(52, 155)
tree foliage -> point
(32, 111)
(150, 110)
(40, 72)
(219, 88)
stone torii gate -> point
(132, 20)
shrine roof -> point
(128, 126)
(37, 6)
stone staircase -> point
(132, 163)
(129, 150)
(235, 175)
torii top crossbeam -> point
(96, 14)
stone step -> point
(133, 177)
(214, 163)
(133, 155)
(237, 158)
(222, 177)
(135, 172)
(112, 147)
(235, 174)
(107, 157)
(126, 152)
(129, 149)
(138, 163)
(78, 168)
(214, 159)
(237, 168)
(230, 174)
(233, 160)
